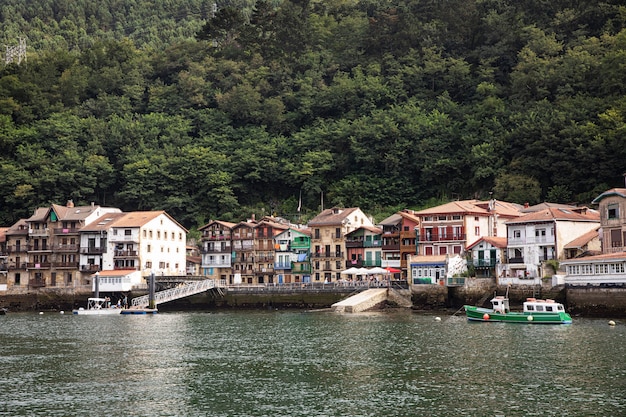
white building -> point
(541, 236)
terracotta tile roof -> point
(332, 216)
(19, 228)
(581, 241)
(115, 272)
(618, 257)
(498, 242)
(228, 225)
(502, 208)
(392, 220)
(3, 231)
(372, 229)
(613, 191)
(546, 205)
(424, 259)
(553, 214)
(141, 218)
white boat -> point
(97, 306)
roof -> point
(621, 192)
(75, 212)
(392, 220)
(497, 242)
(115, 272)
(582, 240)
(546, 205)
(502, 208)
(429, 259)
(141, 218)
(372, 229)
(554, 214)
(618, 257)
(103, 222)
(332, 216)
(227, 225)
(19, 228)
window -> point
(612, 211)
(148, 248)
(477, 230)
(148, 264)
(517, 234)
(128, 232)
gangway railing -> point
(181, 291)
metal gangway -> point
(181, 291)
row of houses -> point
(63, 246)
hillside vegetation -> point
(220, 112)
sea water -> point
(296, 363)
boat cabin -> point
(532, 305)
(500, 304)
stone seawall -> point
(582, 302)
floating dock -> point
(140, 311)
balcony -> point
(92, 250)
(39, 248)
(38, 232)
(126, 254)
(66, 248)
(17, 266)
(484, 263)
(66, 231)
(452, 237)
(16, 248)
(395, 246)
(90, 268)
(327, 255)
(65, 265)
(38, 265)
(516, 260)
(301, 268)
(282, 265)
(220, 249)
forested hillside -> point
(220, 112)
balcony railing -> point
(38, 232)
(92, 250)
(66, 231)
(126, 253)
(38, 265)
(484, 263)
(443, 237)
(89, 268)
(330, 254)
(73, 265)
(282, 265)
(66, 248)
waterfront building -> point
(364, 247)
(448, 270)
(451, 227)
(485, 254)
(4, 259)
(328, 230)
(609, 268)
(539, 237)
(44, 249)
(243, 252)
(265, 232)
(217, 250)
(400, 240)
(292, 256)
(148, 241)
(586, 245)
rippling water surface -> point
(275, 363)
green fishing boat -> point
(535, 312)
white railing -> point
(183, 290)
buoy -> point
(437, 318)
(611, 323)
(41, 313)
(530, 318)
(62, 312)
(485, 316)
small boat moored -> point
(98, 306)
(535, 312)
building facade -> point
(328, 230)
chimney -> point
(526, 205)
(70, 203)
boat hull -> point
(474, 313)
(98, 312)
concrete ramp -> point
(361, 301)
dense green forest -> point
(216, 111)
